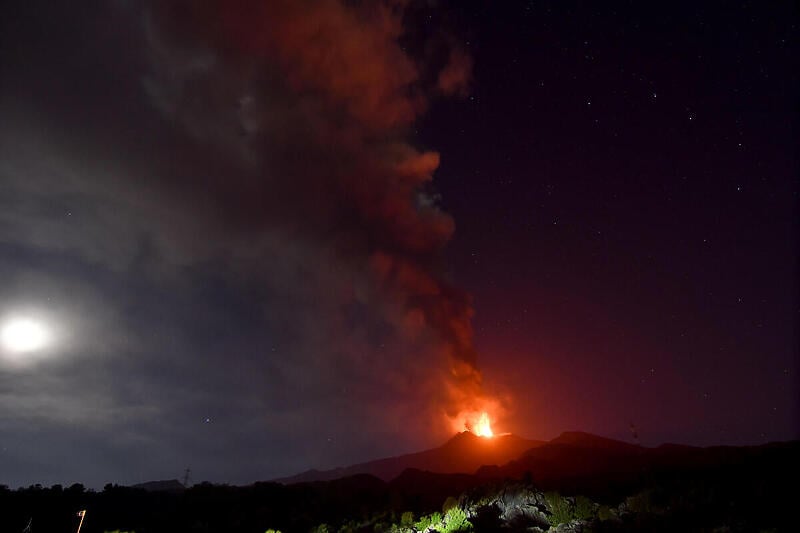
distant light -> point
(23, 335)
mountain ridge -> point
(572, 454)
(464, 453)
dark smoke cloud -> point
(323, 94)
(220, 205)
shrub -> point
(584, 508)
(604, 513)
(407, 519)
(433, 520)
(449, 503)
(560, 508)
(456, 520)
(641, 502)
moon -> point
(23, 335)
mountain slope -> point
(580, 439)
(586, 463)
(570, 461)
(463, 454)
(166, 485)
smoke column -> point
(315, 100)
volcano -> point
(573, 458)
(465, 453)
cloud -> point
(234, 190)
(455, 76)
(336, 74)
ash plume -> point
(222, 202)
(317, 98)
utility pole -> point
(82, 514)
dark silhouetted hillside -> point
(463, 454)
(629, 488)
(167, 485)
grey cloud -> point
(208, 235)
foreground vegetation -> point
(740, 492)
(495, 506)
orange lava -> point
(483, 427)
(477, 418)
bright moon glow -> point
(23, 335)
(483, 427)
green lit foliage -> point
(322, 528)
(429, 521)
(560, 511)
(456, 520)
(449, 503)
(273, 531)
(350, 527)
(563, 510)
(407, 519)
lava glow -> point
(478, 419)
(483, 427)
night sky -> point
(251, 238)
